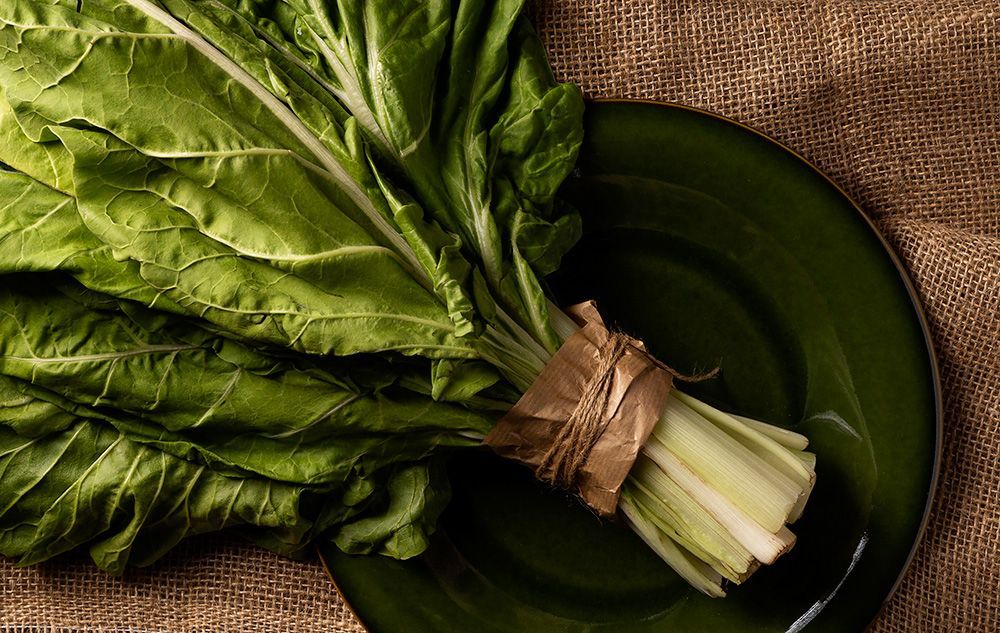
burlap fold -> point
(898, 102)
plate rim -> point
(911, 292)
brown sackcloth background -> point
(898, 102)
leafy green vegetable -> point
(414, 502)
(166, 155)
(78, 480)
(264, 261)
(82, 481)
(198, 392)
(209, 407)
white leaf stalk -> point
(712, 493)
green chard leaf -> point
(459, 97)
(289, 252)
(190, 392)
(88, 483)
(131, 469)
(415, 497)
(79, 481)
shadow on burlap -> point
(898, 102)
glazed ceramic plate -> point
(718, 247)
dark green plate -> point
(718, 247)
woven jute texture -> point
(899, 102)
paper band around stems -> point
(583, 421)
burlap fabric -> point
(898, 102)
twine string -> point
(574, 442)
(572, 445)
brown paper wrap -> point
(633, 390)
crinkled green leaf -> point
(461, 381)
(414, 498)
(26, 414)
(41, 231)
(288, 252)
(459, 96)
(279, 70)
(74, 474)
(88, 483)
(198, 393)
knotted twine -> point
(572, 444)
(583, 421)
